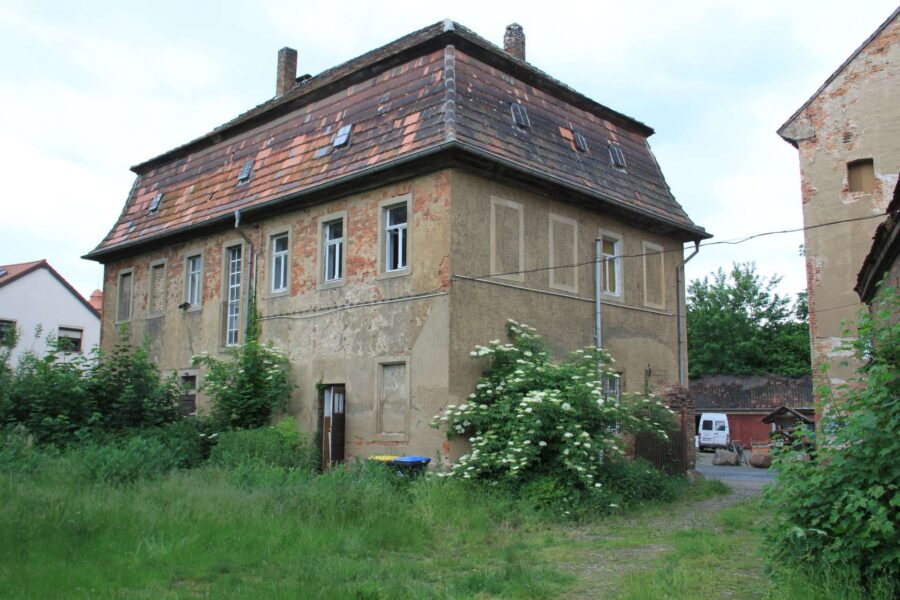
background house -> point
(848, 137)
(747, 399)
(388, 215)
(33, 295)
(881, 262)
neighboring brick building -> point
(389, 214)
(848, 137)
(747, 399)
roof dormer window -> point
(343, 136)
(246, 170)
(154, 205)
(520, 116)
(616, 155)
(580, 142)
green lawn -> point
(271, 533)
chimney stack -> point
(514, 41)
(97, 301)
(287, 71)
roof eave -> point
(689, 233)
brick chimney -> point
(287, 71)
(97, 301)
(514, 41)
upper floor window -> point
(157, 303)
(611, 265)
(69, 339)
(194, 280)
(125, 293)
(861, 175)
(280, 262)
(334, 250)
(233, 295)
(395, 238)
(616, 155)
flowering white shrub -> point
(530, 418)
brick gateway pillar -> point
(678, 399)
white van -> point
(714, 431)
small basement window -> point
(343, 136)
(520, 116)
(861, 175)
(246, 170)
(188, 404)
(616, 155)
(154, 205)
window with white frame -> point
(194, 279)
(68, 339)
(280, 262)
(395, 238)
(123, 299)
(611, 263)
(233, 295)
(334, 250)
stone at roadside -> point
(760, 461)
(693, 477)
(725, 458)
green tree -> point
(738, 324)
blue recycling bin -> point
(410, 466)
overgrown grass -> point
(272, 532)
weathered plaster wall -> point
(326, 337)
(638, 336)
(854, 117)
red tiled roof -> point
(436, 89)
(751, 392)
(10, 273)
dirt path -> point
(605, 554)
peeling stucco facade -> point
(427, 319)
(854, 116)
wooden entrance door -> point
(333, 410)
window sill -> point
(278, 294)
(329, 285)
(192, 309)
(394, 274)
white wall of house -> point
(40, 299)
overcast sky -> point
(90, 88)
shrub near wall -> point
(840, 507)
(544, 427)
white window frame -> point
(193, 281)
(395, 232)
(280, 266)
(646, 249)
(612, 263)
(122, 274)
(336, 245)
(233, 284)
(80, 338)
(384, 238)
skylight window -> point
(154, 206)
(580, 143)
(616, 155)
(343, 136)
(246, 170)
(520, 116)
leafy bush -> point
(127, 391)
(530, 420)
(280, 446)
(62, 398)
(131, 459)
(841, 504)
(191, 440)
(247, 389)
